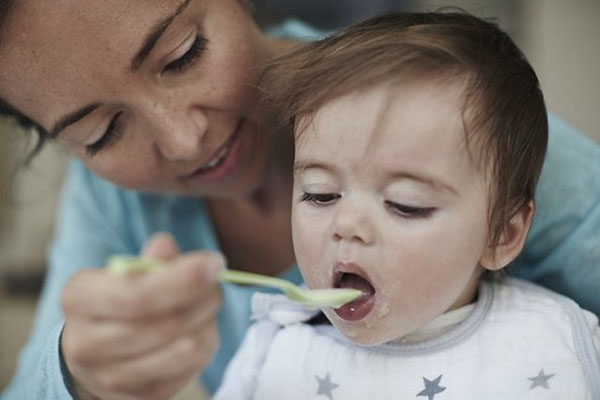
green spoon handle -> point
(122, 264)
(248, 278)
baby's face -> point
(388, 200)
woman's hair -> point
(6, 7)
(503, 109)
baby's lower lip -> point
(357, 309)
(352, 276)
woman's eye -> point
(409, 211)
(320, 199)
(112, 134)
(190, 56)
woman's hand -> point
(142, 336)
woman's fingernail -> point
(163, 235)
(217, 264)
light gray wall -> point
(27, 205)
(562, 40)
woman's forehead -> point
(54, 49)
(79, 28)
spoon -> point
(123, 264)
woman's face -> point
(154, 95)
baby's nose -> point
(353, 222)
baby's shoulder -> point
(529, 300)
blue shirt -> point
(97, 219)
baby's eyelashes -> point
(409, 211)
(320, 199)
(402, 210)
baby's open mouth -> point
(353, 281)
(360, 307)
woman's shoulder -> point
(82, 181)
(295, 29)
(569, 143)
(140, 214)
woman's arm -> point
(563, 248)
(84, 236)
(106, 334)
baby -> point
(419, 142)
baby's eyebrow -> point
(301, 166)
(436, 184)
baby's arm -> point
(239, 381)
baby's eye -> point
(409, 211)
(320, 199)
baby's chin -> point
(365, 332)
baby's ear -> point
(511, 240)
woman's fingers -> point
(185, 281)
(121, 339)
(126, 334)
(167, 367)
(161, 246)
(158, 366)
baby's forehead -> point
(411, 121)
(408, 105)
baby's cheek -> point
(314, 276)
(306, 245)
(305, 263)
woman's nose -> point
(179, 136)
(353, 223)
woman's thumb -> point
(161, 246)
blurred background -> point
(557, 36)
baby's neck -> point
(469, 294)
(442, 324)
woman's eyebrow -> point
(149, 43)
(71, 118)
(152, 37)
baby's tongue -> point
(353, 281)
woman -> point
(156, 100)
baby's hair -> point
(503, 108)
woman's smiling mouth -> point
(224, 160)
(351, 276)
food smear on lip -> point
(359, 308)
